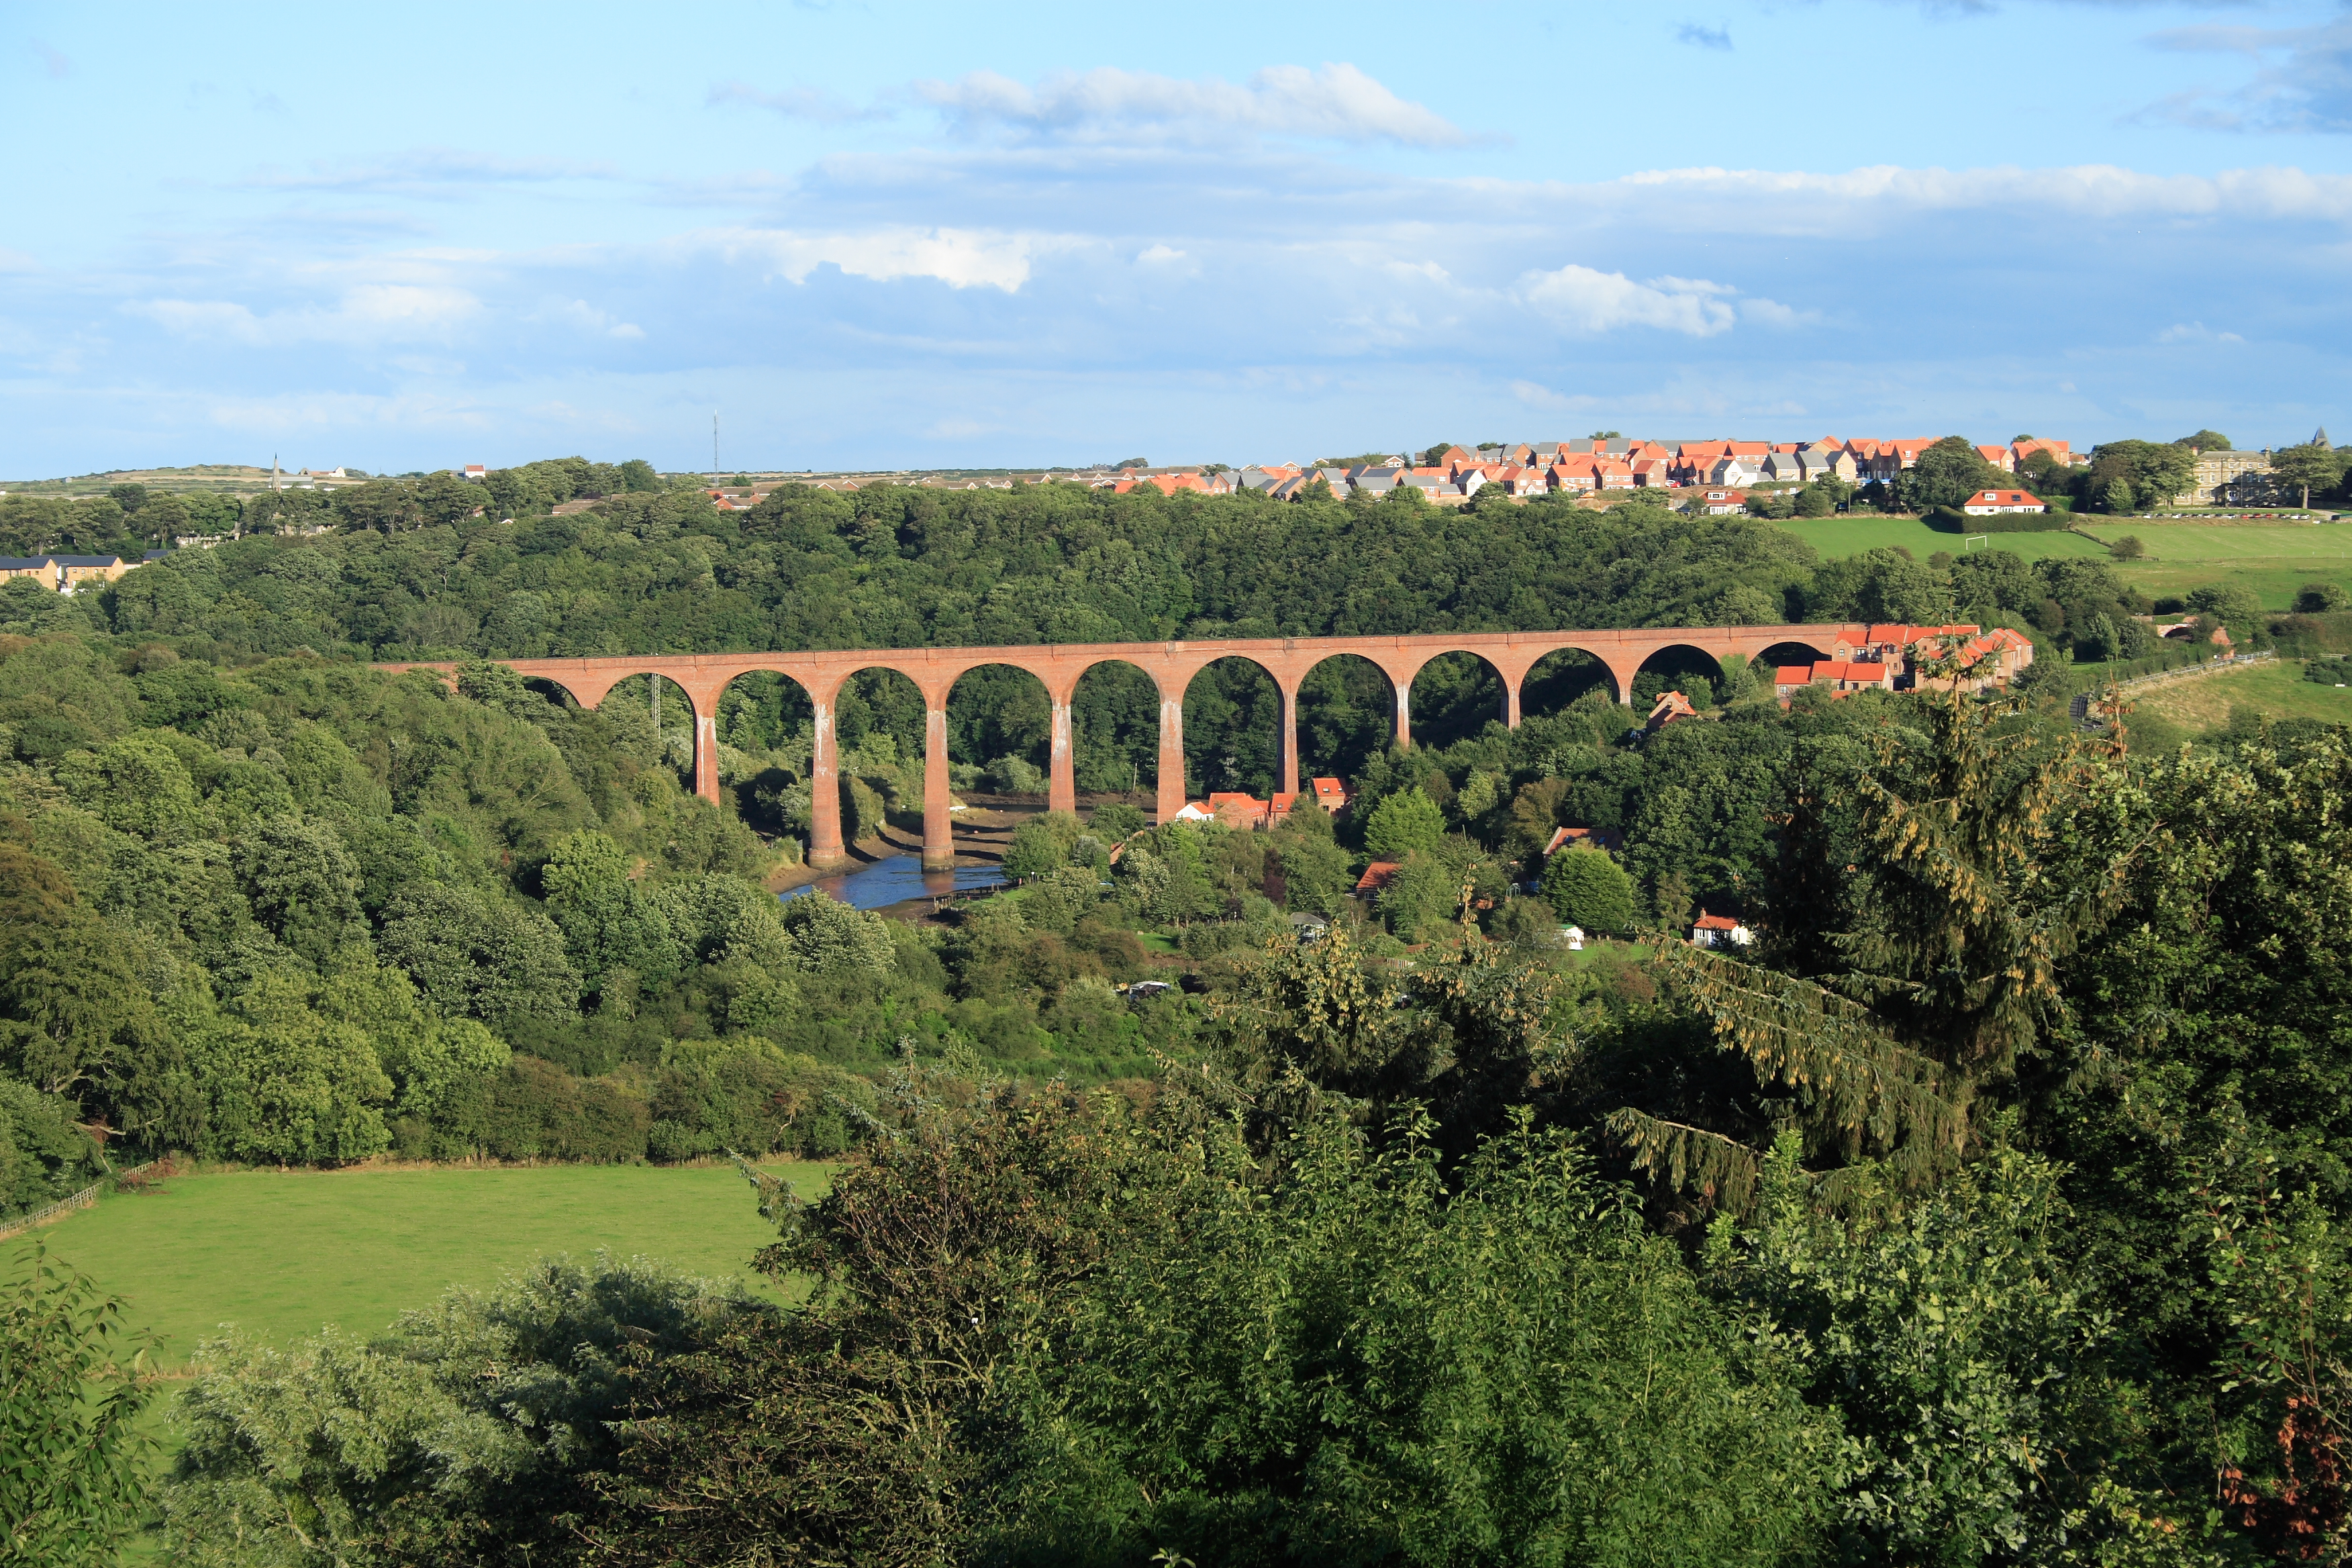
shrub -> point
(1114, 820)
(73, 1486)
(831, 938)
(1036, 850)
(1015, 775)
(2329, 671)
(2318, 598)
(466, 1435)
(539, 1111)
(1404, 822)
(1586, 887)
(43, 1156)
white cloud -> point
(2099, 190)
(1585, 300)
(2195, 332)
(1337, 102)
(2303, 79)
(1535, 395)
(1772, 313)
(369, 312)
(1160, 254)
(588, 318)
(961, 258)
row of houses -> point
(1240, 809)
(66, 573)
(1585, 468)
(1896, 658)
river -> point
(897, 879)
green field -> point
(1838, 537)
(2274, 559)
(282, 1254)
(2276, 691)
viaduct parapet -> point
(1172, 667)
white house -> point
(1987, 503)
(1720, 930)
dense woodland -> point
(1988, 1212)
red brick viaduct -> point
(1170, 665)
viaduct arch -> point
(1170, 665)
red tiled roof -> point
(1377, 876)
(1716, 922)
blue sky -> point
(890, 235)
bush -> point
(539, 1111)
(1015, 775)
(1036, 850)
(745, 1096)
(2329, 671)
(43, 1156)
(2318, 598)
(1586, 887)
(1114, 820)
(1403, 822)
(73, 1486)
(466, 1435)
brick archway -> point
(1172, 667)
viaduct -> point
(1172, 667)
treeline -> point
(663, 571)
(1839, 1251)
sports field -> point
(281, 1253)
(2274, 559)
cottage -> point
(1720, 930)
(475, 471)
(1377, 875)
(1990, 503)
(1670, 706)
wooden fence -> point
(66, 1205)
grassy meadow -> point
(2194, 706)
(280, 1254)
(2274, 559)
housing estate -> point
(1597, 468)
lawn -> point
(2274, 559)
(2276, 691)
(280, 1254)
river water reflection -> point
(899, 878)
